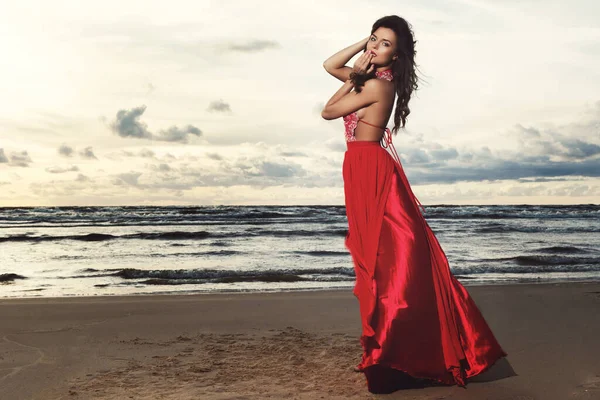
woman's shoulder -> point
(379, 86)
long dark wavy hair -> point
(404, 68)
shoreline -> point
(293, 290)
(300, 344)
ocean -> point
(89, 251)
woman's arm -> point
(336, 64)
(344, 102)
(344, 90)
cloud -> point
(162, 167)
(544, 160)
(20, 159)
(128, 125)
(258, 172)
(65, 150)
(88, 153)
(444, 154)
(563, 179)
(15, 158)
(144, 153)
(147, 153)
(219, 106)
(82, 178)
(497, 169)
(175, 134)
(214, 156)
(60, 170)
(542, 155)
(128, 178)
(68, 151)
(279, 170)
(254, 46)
(554, 144)
(293, 154)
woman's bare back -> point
(377, 114)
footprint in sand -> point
(589, 389)
(22, 356)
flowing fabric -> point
(416, 317)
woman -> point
(419, 324)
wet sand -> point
(295, 345)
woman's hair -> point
(403, 67)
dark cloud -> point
(61, 170)
(214, 156)
(555, 144)
(161, 167)
(254, 46)
(417, 156)
(578, 149)
(444, 154)
(279, 170)
(127, 124)
(82, 178)
(65, 150)
(144, 153)
(88, 153)
(175, 134)
(219, 106)
(566, 153)
(495, 170)
(68, 151)
(570, 179)
(147, 153)
(293, 154)
(16, 158)
(249, 171)
(543, 155)
(128, 178)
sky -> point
(219, 102)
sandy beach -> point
(295, 345)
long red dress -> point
(416, 317)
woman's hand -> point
(361, 65)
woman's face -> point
(382, 43)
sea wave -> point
(175, 235)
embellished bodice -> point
(351, 120)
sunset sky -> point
(219, 102)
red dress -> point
(417, 319)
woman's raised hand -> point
(361, 65)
